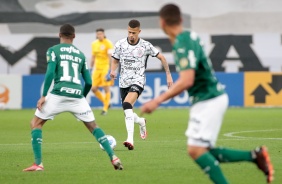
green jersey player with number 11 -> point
(65, 65)
(208, 99)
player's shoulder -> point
(94, 42)
(107, 40)
(121, 41)
(188, 35)
(144, 42)
(53, 49)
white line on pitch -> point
(232, 134)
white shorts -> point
(55, 104)
(205, 121)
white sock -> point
(129, 123)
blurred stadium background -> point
(242, 38)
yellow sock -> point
(107, 101)
(100, 96)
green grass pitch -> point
(72, 155)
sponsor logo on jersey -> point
(71, 90)
(128, 62)
(70, 49)
(131, 68)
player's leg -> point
(106, 100)
(106, 85)
(96, 82)
(36, 141)
(207, 163)
(259, 156)
(204, 125)
(129, 100)
(100, 136)
(83, 112)
(142, 126)
(49, 110)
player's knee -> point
(192, 152)
(195, 151)
(126, 105)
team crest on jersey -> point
(183, 62)
(102, 47)
(138, 52)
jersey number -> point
(66, 74)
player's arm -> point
(115, 60)
(87, 79)
(49, 76)
(109, 52)
(92, 62)
(114, 67)
(166, 68)
(185, 81)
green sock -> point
(211, 167)
(36, 142)
(101, 138)
(231, 155)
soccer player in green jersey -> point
(209, 102)
(65, 65)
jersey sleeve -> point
(186, 54)
(51, 66)
(92, 47)
(87, 78)
(117, 51)
(153, 51)
(50, 55)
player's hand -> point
(108, 76)
(169, 80)
(149, 107)
(113, 75)
(40, 103)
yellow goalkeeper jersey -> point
(100, 50)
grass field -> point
(71, 154)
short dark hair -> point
(100, 29)
(134, 23)
(67, 30)
(171, 14)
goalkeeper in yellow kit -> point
(101, 55)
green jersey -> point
(189, 54)
(69, 64)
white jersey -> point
(133, 61)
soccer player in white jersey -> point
(131, 54)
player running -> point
(131, 54)
(209, 102)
